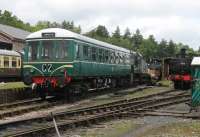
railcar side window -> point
(89, 52)
(112, 58)
(106, 56)
(94, 54)
(6, 61)
(100, 55)
(78, 51)
(117, 58)
(14, 62)
(85, 52)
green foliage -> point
(149, 47)
(117, 34)
(137, 40)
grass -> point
(12, 85)
(180, 129)
(165, 83)
(147, 92)
(109, 129)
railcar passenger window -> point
(89, 52)
(112, 58)
(85, 52)
(77, 51)
(6, 61)
(14, 62)
(117, 58)
(100, 55)
(106, 56)
(94, 54)
(124, 59)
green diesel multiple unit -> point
(59, 59)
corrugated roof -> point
(14, 32)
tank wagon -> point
(58, 59)
(10, 65)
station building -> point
(12, 38)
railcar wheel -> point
(176, 85)
(113, 83)
(42, 94)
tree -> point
(127, 34)
(77, 29)
(101, 31)
(162, 49)
(116, 34)
(137, 39)
(171, 48)
(149, 48)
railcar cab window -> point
(47, 49)
(33, 49)
(61, 49)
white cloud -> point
(169, 19)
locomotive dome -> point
(59, 33)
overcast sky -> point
(178, 20)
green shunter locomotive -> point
(57, 61)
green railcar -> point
(57, 58)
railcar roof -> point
(9, 52)
(196, 61)
(62, 33)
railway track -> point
(84, 116)
(21, 107)
(25, 106)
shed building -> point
(12, 38)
